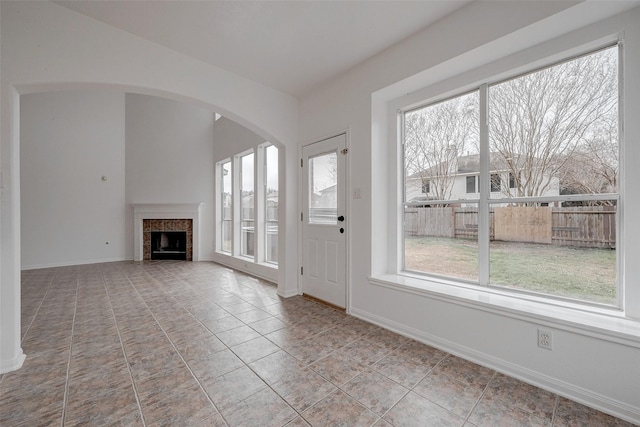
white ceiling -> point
(288, 45)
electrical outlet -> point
(545, 339)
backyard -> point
(582, 273)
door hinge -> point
(301, 163)
(301, 216)
(301, 271)
(345, 151)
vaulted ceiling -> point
(291, 46)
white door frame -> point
(347, 183)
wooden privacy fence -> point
(580, 226)
(585, 226)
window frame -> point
(471, 180)
(496, 182)
(265, 147)
(220, 212)
(483, 188)
(244, 251)
(259, 170)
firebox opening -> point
(169, 245)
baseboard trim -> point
(72, 263)
(570, 391)
(12, 364)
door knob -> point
(341, 218)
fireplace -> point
(169, 245)
(167, 239)
(166, 231)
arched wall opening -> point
(47, 47)
(11, 260)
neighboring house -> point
(326, 198)
(463, 182)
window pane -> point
(471, 184)
(323, 198)
(227, 232)
(442, 240)
(566, 251)
(495, 182)
(271, 204)
(247, 208)
(227, 207)
(441, 146)
(555, 131)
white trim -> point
(607, 325)
(578, 394)
(265, 271)
(164, 211)
(13, 364)
(347, 207)
(71, 263)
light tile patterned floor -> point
(181, 343)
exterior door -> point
(324, 225)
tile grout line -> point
(234, 353)
(124, 353)
(35, 314)
(66, 383)
(409, 389)
(46, 293)
(176, 349)
(556, 403)
(484, 390)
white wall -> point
(46, 47)
(588, 364)
(232, 138)
(169, 159)
(69, 141)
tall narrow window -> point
(226, 202)
(271, 203)
(247, 206)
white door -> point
(324, 226)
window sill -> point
(609, 325)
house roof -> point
(470, 164)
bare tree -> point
(593, 167)
(435, 136)
(541, 122)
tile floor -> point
(181, 343)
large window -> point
(524, 183)
(247, 215)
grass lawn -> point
(581, 273)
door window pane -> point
(323, 198)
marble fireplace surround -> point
(142, 211)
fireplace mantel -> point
(142, 211)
